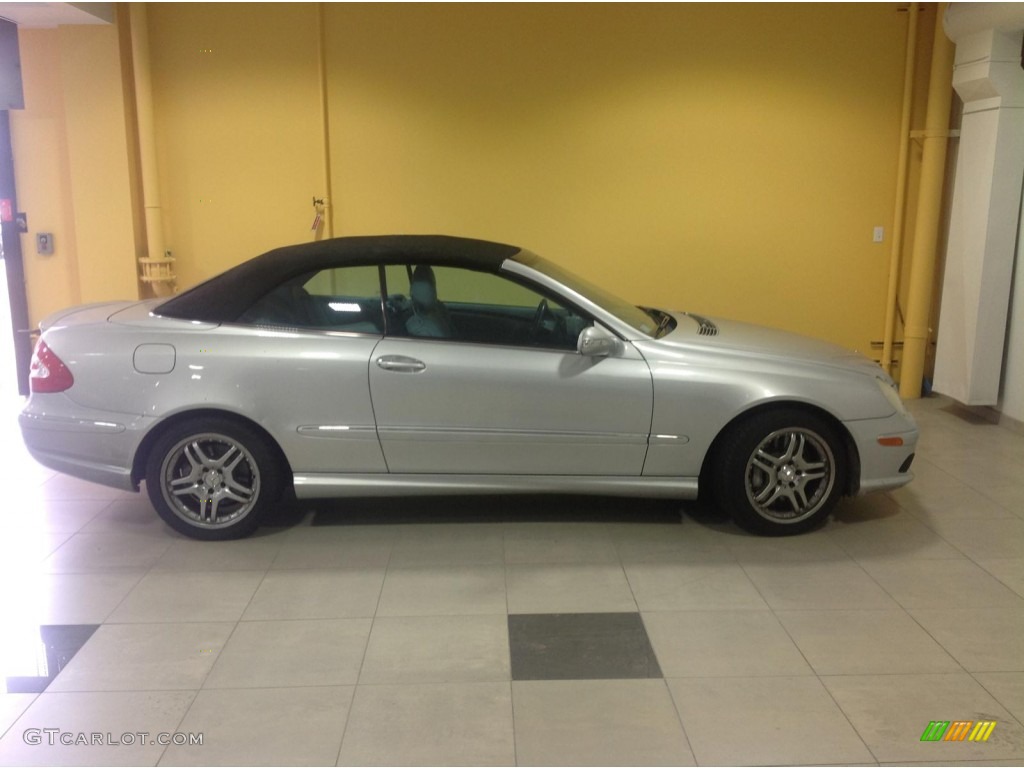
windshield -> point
(645, 321)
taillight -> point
(48, 372)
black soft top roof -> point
(225, 297)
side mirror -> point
(595, 341)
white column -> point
(984, 223)
(1011, 401)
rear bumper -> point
(883, 467)
(104, 474)
(97, 446)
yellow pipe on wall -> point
(929, 205)
(901, 190)
(157, 267)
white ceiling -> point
(55, 14)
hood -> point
(749, 339)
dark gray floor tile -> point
(580, 646)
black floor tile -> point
(580, 646)
(58, 644)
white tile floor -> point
(388, 643)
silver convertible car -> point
(408, 365)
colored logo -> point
(958, 730)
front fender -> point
(698, 392)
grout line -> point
(1018, 720)
(366, 648)
(181, 721)
(810, 666)
(15, 721)
(675, 707)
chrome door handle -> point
(400, 364)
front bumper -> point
(883, 467)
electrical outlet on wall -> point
(878, 235)
(44, 243)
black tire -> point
(780, 472)
(212, 478)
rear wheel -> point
(212, 479)
(780, 472)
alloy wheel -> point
(210, 480)
(789, 476)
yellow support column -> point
(929, 208)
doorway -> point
(8, 367)
(16, 344)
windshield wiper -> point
(663, 319)
(664, 324)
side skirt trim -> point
(322, 485)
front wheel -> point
(212, 479)
(780, 472)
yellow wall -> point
(727, 159)
(236, 101)
(41, 167)
(71, 168)
(98, 162)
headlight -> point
(889, 390)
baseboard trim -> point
(982, 413)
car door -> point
(479, 374)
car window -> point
(425, 301)
(338, 299)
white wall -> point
(1011, 396)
